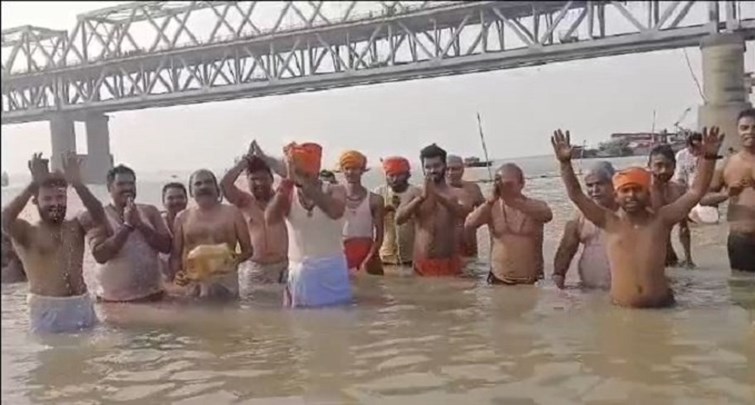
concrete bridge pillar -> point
(97, 161)
(723, 85)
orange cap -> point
(395, 165)
(306, 156)
(352, 159)
(633, 176)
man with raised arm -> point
(516, 225)
(736, 183)
(52, 249)
(636, 235)
(436, 213)
(269, 260)
(128, 267)
(313, 211)
(455, 177)
(201, 231)
(594, 269)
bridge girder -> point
(415, 41)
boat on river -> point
(476, 162)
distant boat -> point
(5, 179)
(476, 162)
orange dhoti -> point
(438, 267)
(356, 251)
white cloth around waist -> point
(319, 282)
(60, 314)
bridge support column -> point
(98, 160)
(723, 85)
(63, 136)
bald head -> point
(455, 170)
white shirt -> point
(686, 167)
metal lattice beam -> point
(330, 45)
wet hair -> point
(433, 151)
(750, 112)
(513, 167)
(176, 185)
(694, 137)
(54, 180)
(664, 150)
(255, 164)
(120, 169)
(214, 179)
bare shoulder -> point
(148, 209)
(183, 215)
(376, 199)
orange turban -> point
(352, 159)
(306, 156)
(395, 165)
(633, 176)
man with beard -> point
(52, 249)
(128, 267)
(364, 215)
(636, 235)
(436, 212)
(269, 242)
(662, 164)
(210, 223)
(594, 269)
(398, 240)
(175, 200)
(467, 238)
(516, 224)
(313, 211)
(736, 183)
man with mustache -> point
(128, 266)
(269, 242)
(210, 223)
(516, 224)
(594, 269)
(175, 200)
(637, 234)
(52, 249)
(454, 175)
(313, 212)
(398, 240)
(736, 183)
(662, 164)
(436, 212)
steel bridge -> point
(164, 53)
(152, 54)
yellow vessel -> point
(206, 261)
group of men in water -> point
(313, 234)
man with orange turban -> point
(398, 240)
(313, 212)
(637, 235)
(363, 225)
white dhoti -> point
(318, 282)
(60, 314)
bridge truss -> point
(159, 53)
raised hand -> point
(562, 146)
(39, 168)
(712, 140)
(72, 168)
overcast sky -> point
(519, 108)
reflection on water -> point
(407, 340)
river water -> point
(406, 340)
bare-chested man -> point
(594, 269)
(636, 236)
(436, 212)
(269, 261)
(313, 211)
(398, 240)
(175, 200)
(364, 215)
(128, 268)
(516, 224)
(210, 223)
(454, 176)
(736, 183)
(662, 164)
(52, 250)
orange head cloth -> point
(633, 176)
(395, 165)
(306, 156)
(352, 159)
